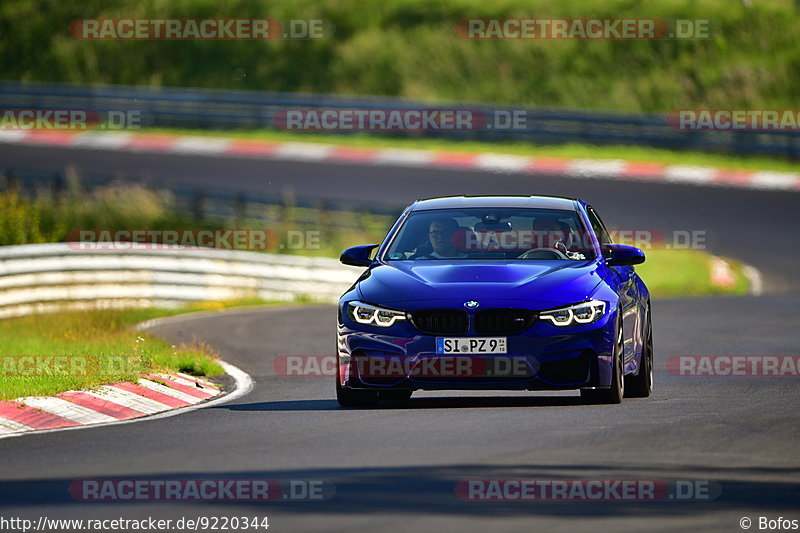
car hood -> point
(532, 281)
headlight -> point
(582, 313)
(377, 316)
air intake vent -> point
(440, 321)
(503, 321)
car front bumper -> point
(545, 357)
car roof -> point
(456, 202)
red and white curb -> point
(154, 393)
(153, 396)
(491, 162)
(722, 275)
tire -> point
(615, 393)
(641, 385)
(355, 397)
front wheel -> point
(613, 394)
(641, 385)
(355, 397)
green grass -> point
(409, 48)
(108, 349)
(580, 151)
(103, 345)
(679, 273)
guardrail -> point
(38, 278)
(230, 109)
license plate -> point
(471, 345)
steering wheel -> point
(554, 253)
(422, 251)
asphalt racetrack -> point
(397, 468)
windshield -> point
(492, 233)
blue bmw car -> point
(498, 293)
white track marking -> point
(502, 163)
(303, 151)
(68, 410)
(721, 273)
(754, 277)
(202, 382)
(128, 399)
(201, 145)
(689, 174)
(169, 391)
(774, 180)
(12, 136)
(9, 426)
(103, 141)
(181, 381)
(597, 168)
(411, 158)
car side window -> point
(598, 226)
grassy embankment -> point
(409, 48)
(102, 345)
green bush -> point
(49, 217)
(409, 48)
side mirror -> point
(623, 255)
(358, 255)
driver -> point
(440, 235)
(548, 230)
